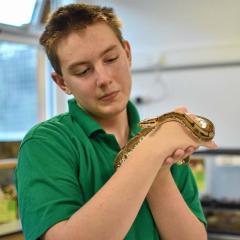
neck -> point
(118, 126)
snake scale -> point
(200, 128)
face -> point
(96, 70)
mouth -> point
(109, 96)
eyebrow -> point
(75, 64)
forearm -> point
(173, 217)
(111, 211)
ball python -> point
(200, 128)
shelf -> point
(214, 236)
(8, 163)
(11, 227)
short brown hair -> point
(74, 17)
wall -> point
(213, 93)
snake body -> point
(199, 127)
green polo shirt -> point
(64, 161)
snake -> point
(201, 129)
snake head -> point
(202, 126)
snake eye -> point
(201, 122)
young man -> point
(67, 185)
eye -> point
(110, 60)
(82, 73)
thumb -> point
(181, 109)
(210, 145)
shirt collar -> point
(91, 126)
(133, 119)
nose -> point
(103, 75)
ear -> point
(127, 49)
(58, 79)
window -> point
(11, 15)
(18, 89)
(27, 93)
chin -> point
(113, 110)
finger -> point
(190, 150)
(210, 145)
(169, 160)
(180, 109)
(175, 157)
(179, 153)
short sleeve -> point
(47, 183)
(186, 184)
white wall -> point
(214, 93)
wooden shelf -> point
(8, 163)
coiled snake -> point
(200, 128)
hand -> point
(180, 154)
